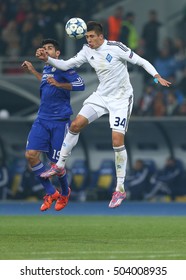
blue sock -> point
(64, 184)
(38, 169)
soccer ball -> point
(76, 28)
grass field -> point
(92, 238)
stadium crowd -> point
(24, 23)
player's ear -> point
(58, 53)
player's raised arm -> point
(152, 71)
(29, 67)
(127, 54)
(42, 55)
(64, 65)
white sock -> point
(69, 142)
(121, 165)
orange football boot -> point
(62, 201)
(48, 199)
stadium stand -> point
(79, 180)
(105, 179)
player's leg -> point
(120, 159)
(71, 138)
(58, 131)
(37, 168)
(87, 114)
(92, 109)
(37, 142)
(120, 163)
(119, 123)
(69, 142)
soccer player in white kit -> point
(114, 96)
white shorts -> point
(119, 110)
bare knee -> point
(78, 124)
(117, 139)
(32, 157)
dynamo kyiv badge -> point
(108, 57)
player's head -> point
(52, 47)
(94, 34)
(95, 26)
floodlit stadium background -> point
(91, 172)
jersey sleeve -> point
(130, 56)
(146, 65)
(73, 62)
(75, 80)
(126, 54)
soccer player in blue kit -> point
(52, 123)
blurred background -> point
(156, 138)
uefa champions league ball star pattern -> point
(76, 28)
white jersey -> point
(110, 64)
(114, 95)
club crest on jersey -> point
(53, 69)
(108, 57)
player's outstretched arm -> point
(29, 67)
(150, 69)
(64, 65)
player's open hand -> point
(41, 54)
(26, 65)
(163, 82)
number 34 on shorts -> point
(120, 122)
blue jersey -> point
(55, 102)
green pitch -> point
(92, 238)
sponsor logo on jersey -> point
(108, 57)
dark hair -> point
(95, 26)
(51, 41)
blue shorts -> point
(47, 136)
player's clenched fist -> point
(41, 54)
